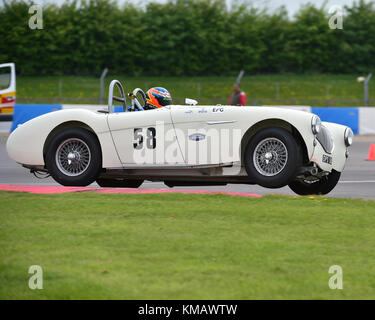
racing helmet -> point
(158, 97)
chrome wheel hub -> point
(270, 157)
(73, 157)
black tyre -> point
(119, 183)
(272, 158)
(323, 186)
(74, 157)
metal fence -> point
(211, 101)
(210, 91)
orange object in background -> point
(371, 152)
(7, 87)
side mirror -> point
(191, 102)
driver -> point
(157, 97)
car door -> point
(7, 87)
(207, 135)
(145, 138)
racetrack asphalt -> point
(357, 180)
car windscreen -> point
(4, 78)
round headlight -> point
(316, 124)
(348, 137)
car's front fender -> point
(339, 154)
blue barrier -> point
(118, 109)
(121, 109)
(26, 112)
(346, 116)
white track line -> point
(363, 181)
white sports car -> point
(184, 145)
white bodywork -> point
(174, 127)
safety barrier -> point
(360, 119)
(26, 112)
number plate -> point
(327, 159)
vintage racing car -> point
(184, 145)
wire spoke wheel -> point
(73, 157)
(270, 157)
(273, 157)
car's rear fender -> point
(29, 142)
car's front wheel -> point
(74, 157)
(272, 157)
(322, 186)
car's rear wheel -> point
(119, 183)
(74, 157)
(272, 157)
(322, 186)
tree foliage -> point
(184, 37)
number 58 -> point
(150, 138)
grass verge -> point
(289, 89)
(181, 246)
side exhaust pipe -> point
(309, 171)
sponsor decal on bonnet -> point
(218, 109)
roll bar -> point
(135, 101)
(111, 97)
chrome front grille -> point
(325, 139)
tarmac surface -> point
(357, 179)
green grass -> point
(180, 246)
(289, 89)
